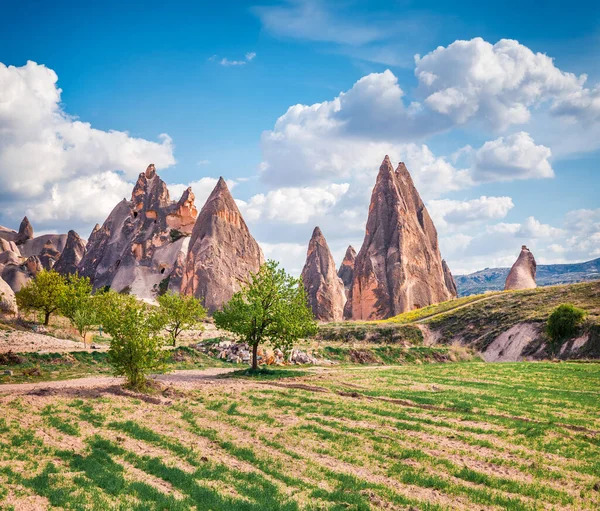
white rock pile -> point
(241, 353)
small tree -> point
(135, 349)
(271, 307)
(563, 323)
(180, 313)
(77, 304)
(43, 293)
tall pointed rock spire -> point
(325, 290)
(346, 273)
(522, 273)
(221, 253)
(71, 255)
(399, 267)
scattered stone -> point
(7, 372)
(522, 273)
(324, 289)
(399, 267)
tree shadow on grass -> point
(265, 373)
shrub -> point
(135, 349)
(179, 313)
(44, 293)
(563, 322)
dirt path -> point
(185, 378)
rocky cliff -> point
(449, 279)
(72, 254)
(324, 289)
(346, 273)
(222, 252)
(136, 248)
(522, 273)
(399, 267)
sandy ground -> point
(21, 342)
(185, 379)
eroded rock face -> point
(71, 256)
(49, 255)
(17, 275)
(25, 231)
(449, 279)
(346, 273)
(522, 273)
(137, 247)
(222, 252)
(399, 267)
(324, 289)
(8, 303)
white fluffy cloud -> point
(53, 160)
(446, 213)
(498, 83)
(513, 157)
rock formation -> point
(399, 267)
(346, 273)
(139, 243)
(49, 255)
(25, 231)
(71, 256)
(449, 279)
(8, 303)
(222, 252)
(35, 246)
(324, 289)
(522, 273)
(17, 275)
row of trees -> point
(271, 307)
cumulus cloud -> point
(513, 157)
(46, 154)
(497, 83)
(446, 212)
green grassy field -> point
(520, 436)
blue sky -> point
(216, 77)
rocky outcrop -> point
(346, 273)
(449, 280)
(71, 256)
(25, 231)
(399, 267)
(8, 303)
(136, 248)
(222, 252)
(17, 275)
(522, 273)
(324, 289)
(35, 246)
(49, 255)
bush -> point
(135, 349)
(563, 322)
(44, 293)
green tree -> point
(77, 304)
(135, 349)
(180, 313)
(563, 323)
(43, 293)
(271, 307)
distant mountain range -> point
(492, 279)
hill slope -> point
(492, 279)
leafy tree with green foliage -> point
(43, 293)
(271, 307)
(180, 313)
(136, 348)
(77, 304)
(563, 323)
